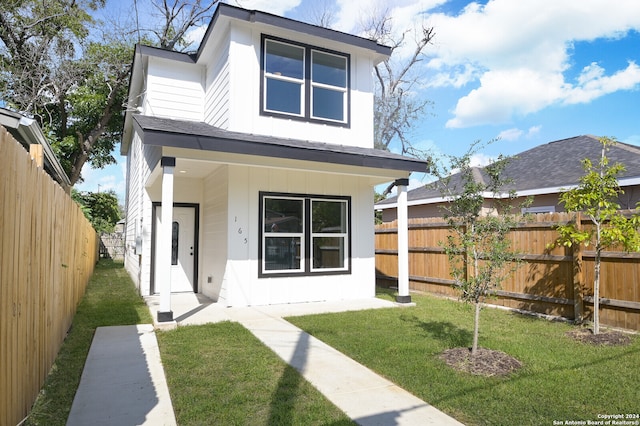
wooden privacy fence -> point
(47, 254)
(555, 282)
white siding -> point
(214, 235)
(174, 90)
(232, 99)
(216, 109)
(140, 162)
(241, 274)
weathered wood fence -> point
(47, 254)
(555, 282)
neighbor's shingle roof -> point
(553, 165)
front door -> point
(183, 253)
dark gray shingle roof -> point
(202, 136)
(553, 165)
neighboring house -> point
(543, 172)
(27, 131)
(250, 164)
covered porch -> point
(231, 171)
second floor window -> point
(305, 82)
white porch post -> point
(163, 257)
(403, 242)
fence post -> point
(578, 277)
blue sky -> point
(527, 72)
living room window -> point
(304, 234)
(304, 82)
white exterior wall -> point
(216, 109)
(241, 76)
(138, 215)
(213, 244)
(241, 272)
(174, 90)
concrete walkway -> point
(123, 382)
(363, 395)
(117, 391)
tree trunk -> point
(596, 294)
(476, 326)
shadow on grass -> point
(283, 401)
(105, 264)
(448, 333)
(110, 299)
(524, 375)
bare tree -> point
(177, 17)
(397, 108)
(322, 13)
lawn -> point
(220, 374)
(561, 379)
(217, 374)
(110, 299)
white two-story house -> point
(250, 164)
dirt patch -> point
(607, 338)
(486, 362)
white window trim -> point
(343, 235)
(274, 76)
(343, 90)
(307, 235)
(307, 84)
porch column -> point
(163, 257)
(403, 242)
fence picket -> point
(41, 229)
(554, 281)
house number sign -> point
(244, 241)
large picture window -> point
(303, 234)
(304, 82)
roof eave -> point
(255, 16)
(230, 142)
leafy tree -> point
(479, 251)
(60, 67)
(596, 196)
(100, 208)
(73, 86)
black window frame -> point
(308, 84)
(306, 260)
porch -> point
(197, 309)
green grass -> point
(110, 299)
(561, 379)
(220, 374)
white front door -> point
(182, 247)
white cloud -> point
(593, 83)
(513, 55)
(112, 177)
(481, 160)
(514, 134)
(517, 54)
(510, 134)
(534, 130)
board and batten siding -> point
(213, 253)
(174, 90)
(216, 108)
(244, 84)
(241, 272)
